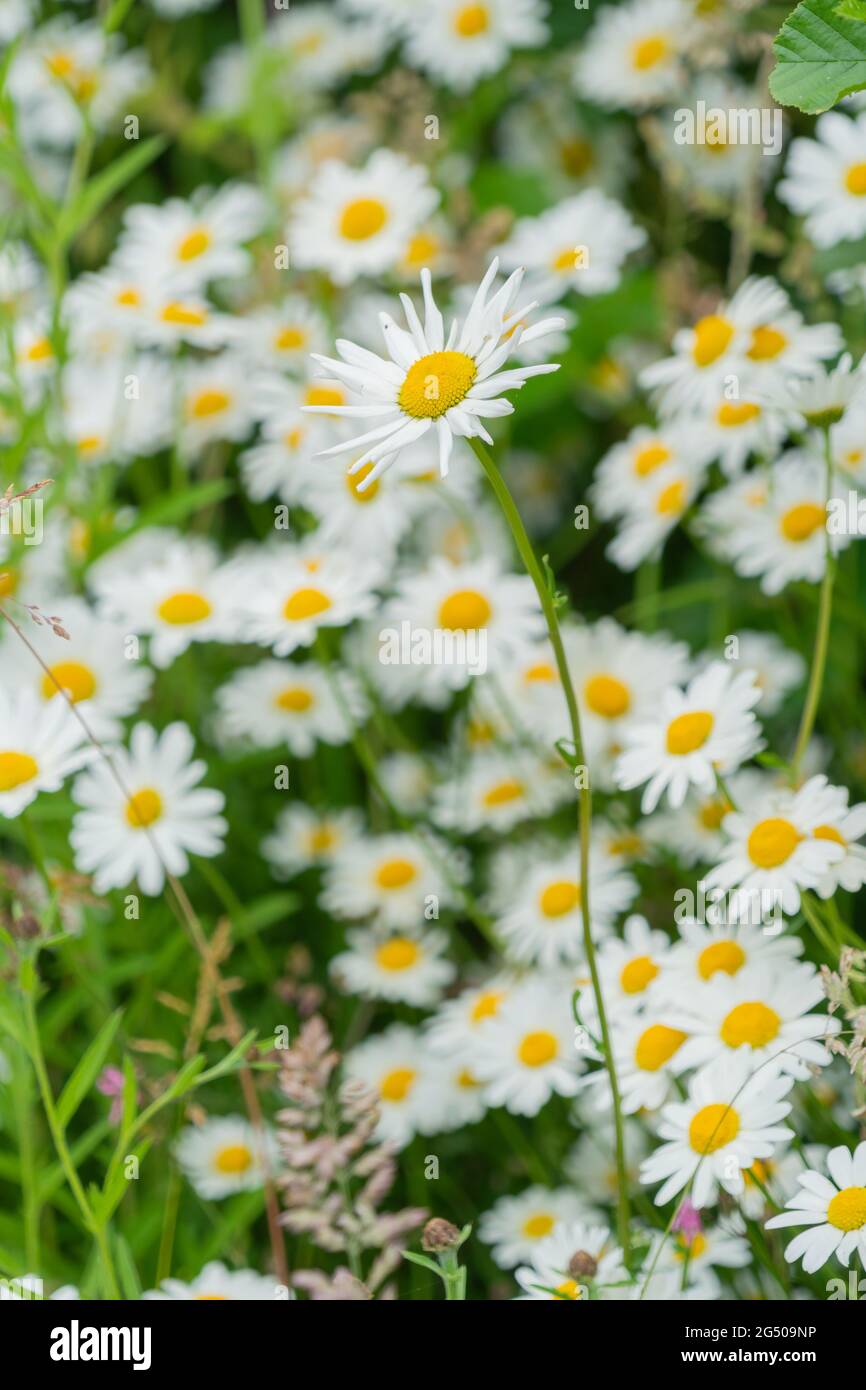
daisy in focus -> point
(145, 817)
(429, 380)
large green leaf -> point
(820, 57)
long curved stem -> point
(822, 633)
(534, 570)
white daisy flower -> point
(408, 779)
(281, 337)
(225, 1155)
(542, 924)
(458, 42)
(761, 1013)
(633, 969)
(214, 403)
(455, 1027)
(580, 245)
(578, 1261)
(484, 614)
(216, 1283)
(304, 838)
(366, 519)
(198, 240)
(396, 879)
(278, 702)
(825, 179)
(515, 1226)
(41, 743)
(526, 1052)
(846, 826)
(692, 832)
(707, 951)
(778, 1175)
(399, 968)
(633, 57)
(399, 1070)
(783, 842)
(833, 1208)
(282, 463)
(619, 678)
(706, 728)
(159, 818)
(179, 598)
(777, 669)
(731, 430)
(647, 1055)
(691, 1257)
(91, 667)
(627, 468)
(284, 595)
(822, 398)
(498, 790)
(451, 383)
(655, 512)
(356, 222)
(729, 1120)
(459, 1097)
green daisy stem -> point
(536, 574)
(822, 632)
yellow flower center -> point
(568, 1290)
(712, 813)
(649, 458)
(305, 603)
(486, 1005)
(16, 769)
(538, 1226)
(422, 249)
(471, 20)
(657, 1045)
(560, 898)
(143, 808)
(712, 336)
(208, 403)
(855, 180)
(354, 481)
(294, 699)
(829, 832)
(766, 343)
(435, 383)
(234, 1158)
(713, 1127)
(184, 315)
(847, 1210)
(212, 1298)
(290, 339)
(672, 499)
(571, 258)
(537, 1049)
(128, 298)
(732, 414)
(751, 1025)
(8, 583)
(727, 956)
(60, 64)
(772, 842)
(465, 610)
(194, 244)
(397, 1084)
(362, 219)
(78, 681)
(607, 696)
(40, 350)
(649, 52)
(324, 395)
(395, 873)
(503, 792)
(800, 522)
(321, 840)
(397, 954)
(689, 732)
(541, 673)
(691, 1246)
(184, 608)
(637, 974)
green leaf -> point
(820, 57)
(82, 1079)
(853, 9)
(130, 1283)
(105, 185)
(423, 1260)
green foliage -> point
(820, 55)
